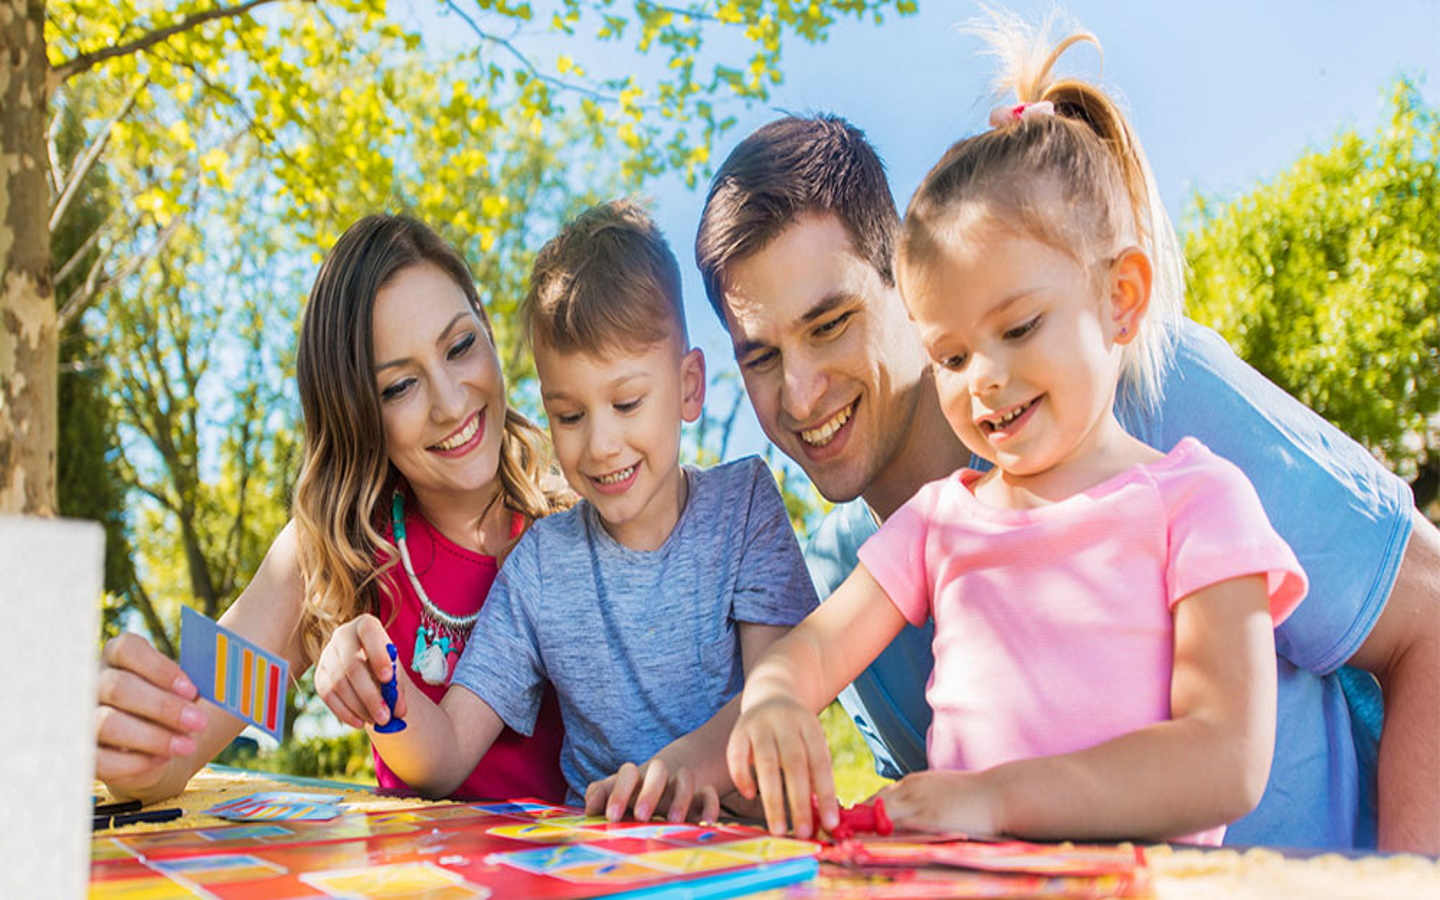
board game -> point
(513, 849)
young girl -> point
(1104, 657)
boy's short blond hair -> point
(607, 283)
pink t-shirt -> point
(458, 580)
(1053, 626)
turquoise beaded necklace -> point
(440, 635)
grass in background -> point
(855, 778)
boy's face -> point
(615, 421)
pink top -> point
(457, 581)
(1053, 624)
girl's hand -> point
(943, 801)
(652, 787)
(351, 669)
(778, 747)
(149, 711)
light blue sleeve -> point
(1344, 514)
(501, 663)
(887, 700)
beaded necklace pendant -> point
(441, 637)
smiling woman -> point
(417, 480)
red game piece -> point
(862, 818)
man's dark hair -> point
(790, 167)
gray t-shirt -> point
(641, 646)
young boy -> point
(646, 602)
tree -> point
(223, 79)
(1327, 280)
(88, 484)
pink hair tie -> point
(1003, 115)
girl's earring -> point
(1124, 331)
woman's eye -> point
(954, 363)
(396, 390)
(461, 347)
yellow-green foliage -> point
(855, 778)
(1327, 279)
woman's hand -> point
(778, 747)
(149, 712)
(351, 669)
(646, 789)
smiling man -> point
(795, 247)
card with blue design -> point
(234, 673)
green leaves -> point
(240, 138)
(1328, 280)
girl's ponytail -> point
(1063, 164)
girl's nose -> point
(987, 373)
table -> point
(1174, 874)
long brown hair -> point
(346, 477)
(1076, 180)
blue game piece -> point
(390, 690)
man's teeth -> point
(616, 477)
(464, 435)
(819, 437)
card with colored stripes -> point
(233, 673)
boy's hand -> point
(943, 801)
(779, 748)
(648, 788)
(351, 669)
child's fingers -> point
(621, 791)
(795, 763)
(708, 800)
(737, 761)
(769, 781)
(822, 775)
(597, 794)
(656, 777)
(682, 794)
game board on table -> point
(514, 849)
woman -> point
(405, 422)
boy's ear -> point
(1131, 276)
(692, 384)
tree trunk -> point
(28, 339)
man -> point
(795, 247)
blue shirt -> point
(641, 646)
(1346, 517)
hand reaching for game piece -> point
(353, 671)
(862, 818)
(390, 691)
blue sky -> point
(1223, 95)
